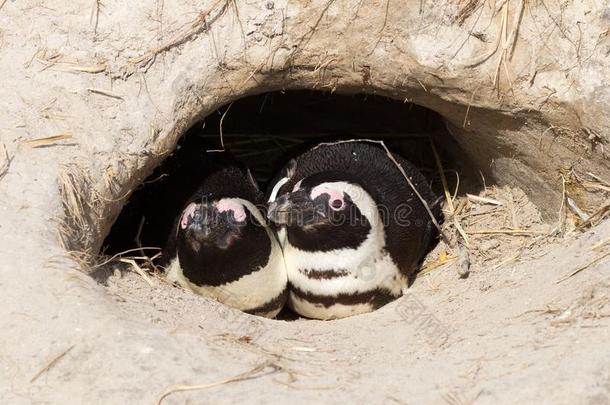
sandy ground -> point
(510, 333)
(516, 331)
(102, 75)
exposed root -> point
(196, 27)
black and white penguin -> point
(222, 248)
(352, 229)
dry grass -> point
(508, 232)
(95, 15)
(83, 210)
(502, 225)
(78, 200)
(104, 93)
(505, 43)
(139, 270)
(197, 26)
(48, 111)
(51, 363)
(78, 227)
(462, 251)
(49, 59)
(199, 387)
(6, 163)
(576, 186)
(467, 8)
(601, 243)
(75, 67)
(47, 141)
(595, 218)
(443, 259)
(584, 267)
(484, 200)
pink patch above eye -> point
(335, 199)
(187, 214)
(228, 205)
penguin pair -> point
(352, 229)
(352, 233)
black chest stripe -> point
(271, 305)
(346, 232)
(377, 297)
(323, 274)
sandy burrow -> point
(506, 335)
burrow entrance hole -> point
(264, 131)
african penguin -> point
(352, 230)
(222, 248)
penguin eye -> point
(335, 197)
(336, 204)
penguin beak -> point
(291, 209)
(199, 224)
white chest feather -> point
(347, 272)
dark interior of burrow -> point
(263, 132)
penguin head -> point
(218, 225)
(323, 212)
(321, 205)
(219, 241)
